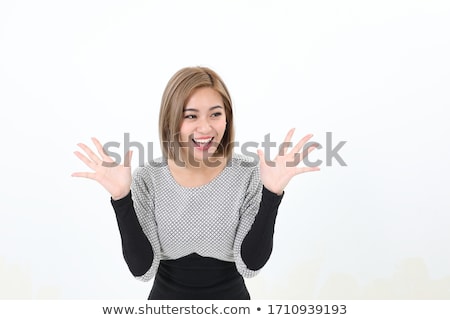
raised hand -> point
(114, 177)
(276, 174)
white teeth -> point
(202, 141)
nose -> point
(203, 125)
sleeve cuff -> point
(122, 202)
(270, 198)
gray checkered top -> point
(211, 220)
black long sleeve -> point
(136, 248)
(257, 245)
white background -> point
(374, 73)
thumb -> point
(260, 155)
(128, 156)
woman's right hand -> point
(114, 177)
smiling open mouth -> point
(202, 144)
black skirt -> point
(194, 277)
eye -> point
(216, 114)
(190, 116)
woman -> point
(201, 217)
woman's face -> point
(203, 124)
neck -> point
(199, 165)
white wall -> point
(376, 74)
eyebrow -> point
(196, 110)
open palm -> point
(276, 174)
(114, 177)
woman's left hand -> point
(276, 174)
